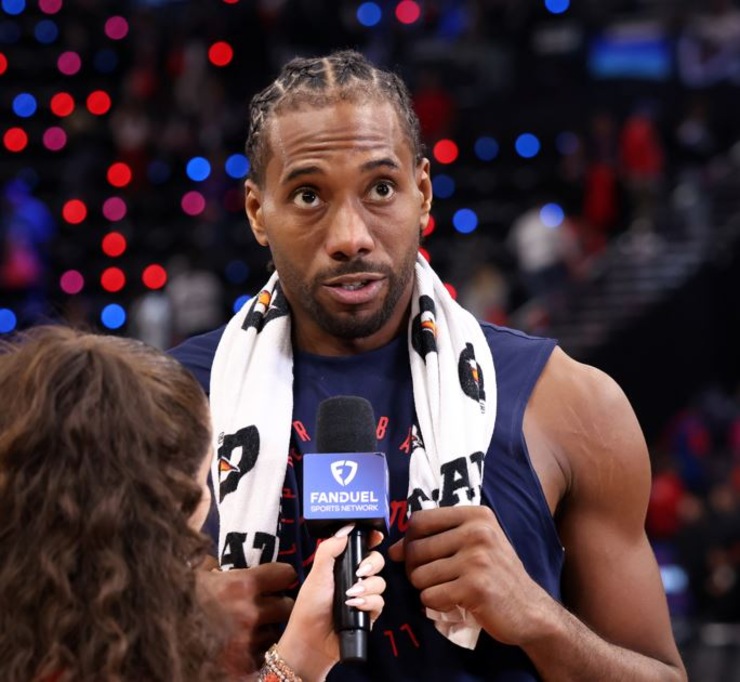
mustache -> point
(354, 267)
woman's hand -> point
(310, 645)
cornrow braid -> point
(321, 81)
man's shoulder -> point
(196, 353)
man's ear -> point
(253, 207)
(424, 185)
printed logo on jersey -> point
(266, 308)
(471, 376)
(344, 471)
(237, 456)
(424, 328)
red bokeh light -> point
(408, 11)
(114, 244)
(15, 139)
(98, 102)
(425, 254)
(451, 289)
(74, 211)
(114, 209)
(234, 200)
(54, 139)
(71, 282)
(113, 279)
(154, 276)
(445, 151)
(3, 63)
(50, 6)
(119, 174)
(69, 63)
(116, 28)
(62, 104)
(193, 203)
(220, 53)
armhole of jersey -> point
(536, 369)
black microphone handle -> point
(351, 624)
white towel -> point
(454, 388)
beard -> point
(359, 324)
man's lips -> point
(355, 289)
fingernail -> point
(364, 569)
(355, 601)
(357, 588)
(344, 531)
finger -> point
(436, 572)
(397, 551)
(440, 597)
(376, 537)
(427, 522)
(372, 603)
(330, 548)
(362, 588)
(273, 577)
(373, 563)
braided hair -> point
(345, 75)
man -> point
(526, 474)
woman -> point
(104, 453)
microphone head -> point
(345, 423)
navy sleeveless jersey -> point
(404, 643)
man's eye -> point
(383, 190)
(306, 197)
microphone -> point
(346, 481)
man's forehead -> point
(342, 124)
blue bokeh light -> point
(105, 60)
(10, 32)
(527, 145)
(552, 215)
(46, 31)
(557, 6)
(13, 7)
(8, 320)
(237, 166)
(465, 220)
(443, 186)
(237, 271)
(369, 14)
(158, 172)
(240, 302)
(486, 148)
(25, 105)
(567, 143)
(198, 168)
(113, 316)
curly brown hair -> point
(100, 441)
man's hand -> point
(253, 604)
(460, 556)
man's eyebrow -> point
(301, 171)
(385, 162)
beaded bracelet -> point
(276, 669)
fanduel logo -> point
(344, 471)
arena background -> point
(586, 163)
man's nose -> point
(348, 234)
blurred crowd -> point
(559, 139)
